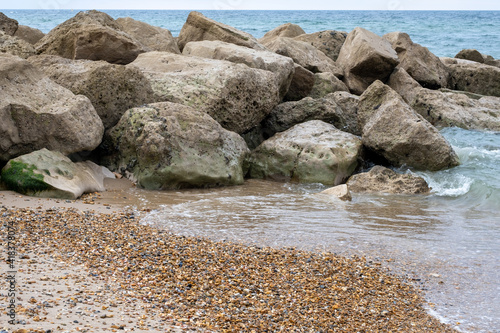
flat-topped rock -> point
(446, 107)
(282, 67)
(473, 77)
(237, 96)
(304, 54)
(383, 180)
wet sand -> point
(90, 266)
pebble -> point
(223, 286)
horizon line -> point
(288, 10)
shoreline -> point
(250, 281)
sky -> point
(255, 4)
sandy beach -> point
(90, 266)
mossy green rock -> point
(311, 152)
(168, 146)
(48, 174)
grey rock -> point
(168, 146)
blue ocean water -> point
(445, 33)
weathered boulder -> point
(326, 83)
(237, 96)
(198, 27)
(91, 35)
(470, 54)
(304, 54)
(285, 30)
(489, 60)
(349, 104)
(366, 58)
(289, 114)
(153, 38)
(29, 34)
(282, 67)
(392, 129)
(7, 25)
(37, 113)
(167, 146)
(329, 41)
(473, 77)
(418, 61)
(340, 191)
(383, 180)
(49, 174)
(311, 152)
(452, 108)
(301, 85)
(15, 46)
(112, 89)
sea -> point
(446, 243)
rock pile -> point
(170, 113)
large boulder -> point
(448, 108)
(91, 35)
(473, 77)
(15, 46)
(198, 27)
(29, 34)
(48, 174)
(302, 84)
(282, 67)
(470, 54)
(326, 83)
(168, 146)
(37, 113)
(304, 54)
(289, 114)
(153, 38)
(383, 180)
(349, 105)
(7, 25)
(311, 152)
(392, 129)
(418, 61)
(366, 57)
(285, 30)
(237, 96)
(329, 41)
(112, 89)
